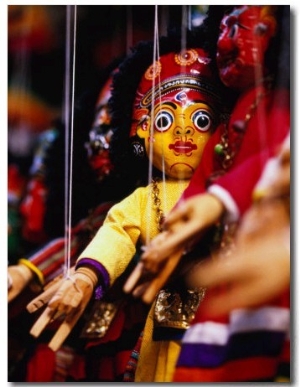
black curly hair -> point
(125, 83)
(87, 192)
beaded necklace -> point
(226, 150)
(157, 204)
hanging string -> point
(150, 165)
(156, 55)
(189, 17)
(184, 23)
(69, 129)
(163, 168)
(155, 58)
(67, 116)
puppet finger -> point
(133, 278)
(65, 328)
(160, 280)
(41, 300)
(42, 322)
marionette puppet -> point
(247, 54)
(238, 150)
(163, 112)
(37, 270)
(38, 219)
(259, 267)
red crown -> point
(189, 68)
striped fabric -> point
(129, 373)
(247, 346)
(64, 358)
(50, 259)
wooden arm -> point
(139, 277)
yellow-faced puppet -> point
(175, 112)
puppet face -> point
(182, 124)
(244, 38)
(175, 111)
(34, 204)
(33, 208)
(100, 135)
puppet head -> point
(175, 111)
(42, 216)
(100, 135)
(249, 42)
(151, 101)
(243, 41)
(33, 205)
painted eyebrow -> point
(172, 104)
(202, 102)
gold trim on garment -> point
(177, 310)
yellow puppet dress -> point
(134, 220)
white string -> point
(163, 165)
(69, 137)
(67, 123)
(150, 165)
(156, 55)
(189, 16)
(184, 24)
(186, 10)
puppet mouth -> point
(183, 147)
(229, 61)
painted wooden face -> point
(244, 38)
(183, 121)
(175, 111)
(100, 135)
(33, 206)
(33, 209)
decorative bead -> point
(259, 194)
(219, 150)
(239, 126)
(186, 57)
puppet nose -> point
(225, 44)
(183, 130)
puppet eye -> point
(232, 25)
(202, 120)
(163, 121)
(233, 31)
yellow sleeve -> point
(115, 242)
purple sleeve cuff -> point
(103, 282)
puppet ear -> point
(266, 27)
(143, 127)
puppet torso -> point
(131, 221)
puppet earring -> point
(138, 146)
